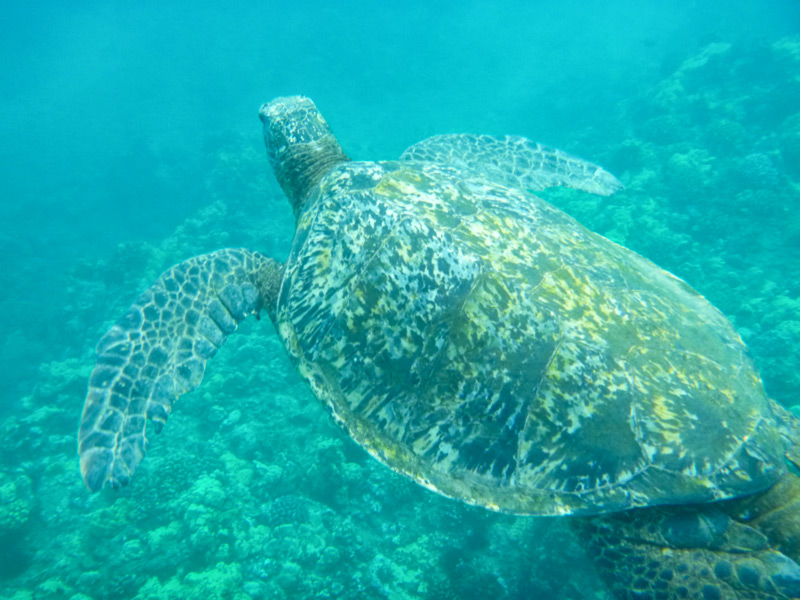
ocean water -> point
(131, 142)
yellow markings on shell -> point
(672, 437)
(399, 183)
(305, 371)
(339, 362)
(729, 395)
(662, 410)
(323, 260)
(382, 453)
(288, 334)
(669, 424)
(578, 414)
(409, 346)
(404, 250)
(486, 232)
(425, 441)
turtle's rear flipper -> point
(515, 161)
(734, 550)
(158, 351)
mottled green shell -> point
(479, 340)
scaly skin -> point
(742, 549)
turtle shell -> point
(482, 342)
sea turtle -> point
(478, 340)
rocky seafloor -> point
(251, 491)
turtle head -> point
(300, 145)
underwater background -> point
(130, 142)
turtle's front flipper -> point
(515, 161)
(734, 550)
(158, 351)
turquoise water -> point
(130, 142)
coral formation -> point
(16, 502)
